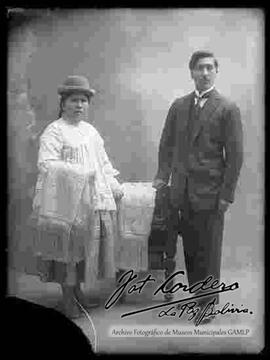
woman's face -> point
(75, 107)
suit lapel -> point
(206, 113)
(185, 109)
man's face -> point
(204, 73)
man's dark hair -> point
(201, 54)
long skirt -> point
(83, 250)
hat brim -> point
(70, 89)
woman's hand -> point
(118, 194)
(116, 188)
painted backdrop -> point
(138, 62)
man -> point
(201, 150)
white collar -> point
(204, 92)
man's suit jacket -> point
(211, 160)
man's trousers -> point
(202, 233)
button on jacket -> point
(209, 158)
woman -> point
(75, 197)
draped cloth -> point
(74, 209)
(134, 218)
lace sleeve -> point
(50, 147)
(105, 162)
(109, 171)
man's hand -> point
(223, 205)
(158, 184)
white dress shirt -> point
(200, 95)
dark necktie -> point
(199, 99)
(197, 109)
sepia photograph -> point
(136, 180)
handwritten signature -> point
(207, 311)
(187, 305)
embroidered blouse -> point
(77, 151)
